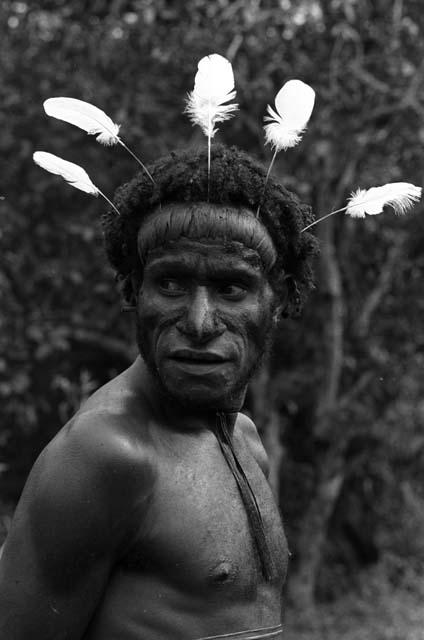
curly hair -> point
(235, 179)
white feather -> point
(90, 119)
(85, 116)
(293, 108)
(213, 87)
(72, 173)
(401, 196)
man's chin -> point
(204, 396)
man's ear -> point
(282, 303)
(277, 314)
(130, 291)
(292, 306)
(136, 280)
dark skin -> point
(131, 525)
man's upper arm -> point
(67, 532)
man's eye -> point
(172, 287)
(232, 291)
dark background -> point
(339, 403)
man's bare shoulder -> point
(99, 465)
(246, 429)
(104, 425)
(110, 433)
(123, 396)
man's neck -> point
(169, 410)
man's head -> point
(208, 276)
(205, 306)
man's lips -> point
(192, 356)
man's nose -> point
(200, 321)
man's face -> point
(204, 321)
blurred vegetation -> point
(340, 403)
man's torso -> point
(191, 568)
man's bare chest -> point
(195, 532)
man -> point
(149, 516)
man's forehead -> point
(190, 253)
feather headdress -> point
(213, 88)
(74, 175)
(90, 119)
(293, 108)
(401, 196)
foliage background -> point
(340, 402)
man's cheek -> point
(148, 321)
(156, 332)
(150, 313)
(256, 327)
(263, 321)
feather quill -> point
(74, 175)
(401, 196)
(213, 89)
(293, 108)
(90, 119)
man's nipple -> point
(222, 573)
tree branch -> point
(361, 384)
(333, 327)
(382, 286)
(369, 79)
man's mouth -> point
(195, 357)
(197, 362)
